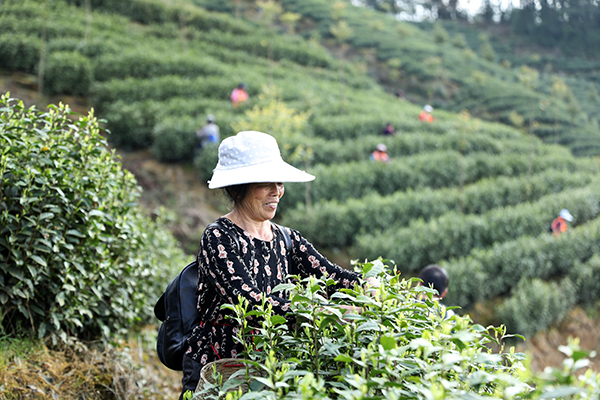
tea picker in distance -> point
(244, 253)
(380, 154)
(238, 95)
(559, 225)
(425, 115)
(389, 130)
(209, 133)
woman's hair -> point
(236, 193)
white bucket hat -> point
(251, 157)
(566, 215)
(428, 108)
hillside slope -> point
(476, 197)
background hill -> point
(475, 196)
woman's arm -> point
(306, 261)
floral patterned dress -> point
(248, 267)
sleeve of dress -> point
(223, 265)
(306, 260)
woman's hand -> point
(371, 285)
(349, 309)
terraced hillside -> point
(474, 196)
(457, 66)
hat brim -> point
(275, 171)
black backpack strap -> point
(218, 224)
(286, 238)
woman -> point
(245, 253)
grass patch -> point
(30, 369)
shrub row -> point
(57, 20)
(131, 124)
(159, 89)
(536, 305)
(434, 170)
(351, 126)
(68, 73)
(264, 44)
(156, 11)
(19, 52)
(487, 273)
(142, 63)
(78, 256)
(454, 235)
(332, 224)
(410, 143)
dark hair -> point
(436, 276)
(236, 193)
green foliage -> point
(78, 257)
(332, 224)
(145, 64)
(453, 235)
(175, 139)
(19, 52)
(429, 170)
(68, 73)
(397, 347)
(584, 275)
(131, 123)
(487, 273)
(537, 305)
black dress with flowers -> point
(248, 267)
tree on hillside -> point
(569, 25)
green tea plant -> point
(453, 235)
(487, 273)
(435, 170)
(335, 224)
(78, 257)
(401, 345)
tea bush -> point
(159, 88)
(332, 224)
(68, 73)
(92, 48)
(453, 235)
(174, 139)
(536, 305)
(397, 347)
(434, 170)
(583, 275)
(19, 52)
(145, 63)
(487, 273)
(78, 257)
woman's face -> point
(260, 203)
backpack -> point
(177, 309)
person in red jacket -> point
(425, 115)
(238, 95)
(559, 225)
(380, 153)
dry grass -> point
(127, 370)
